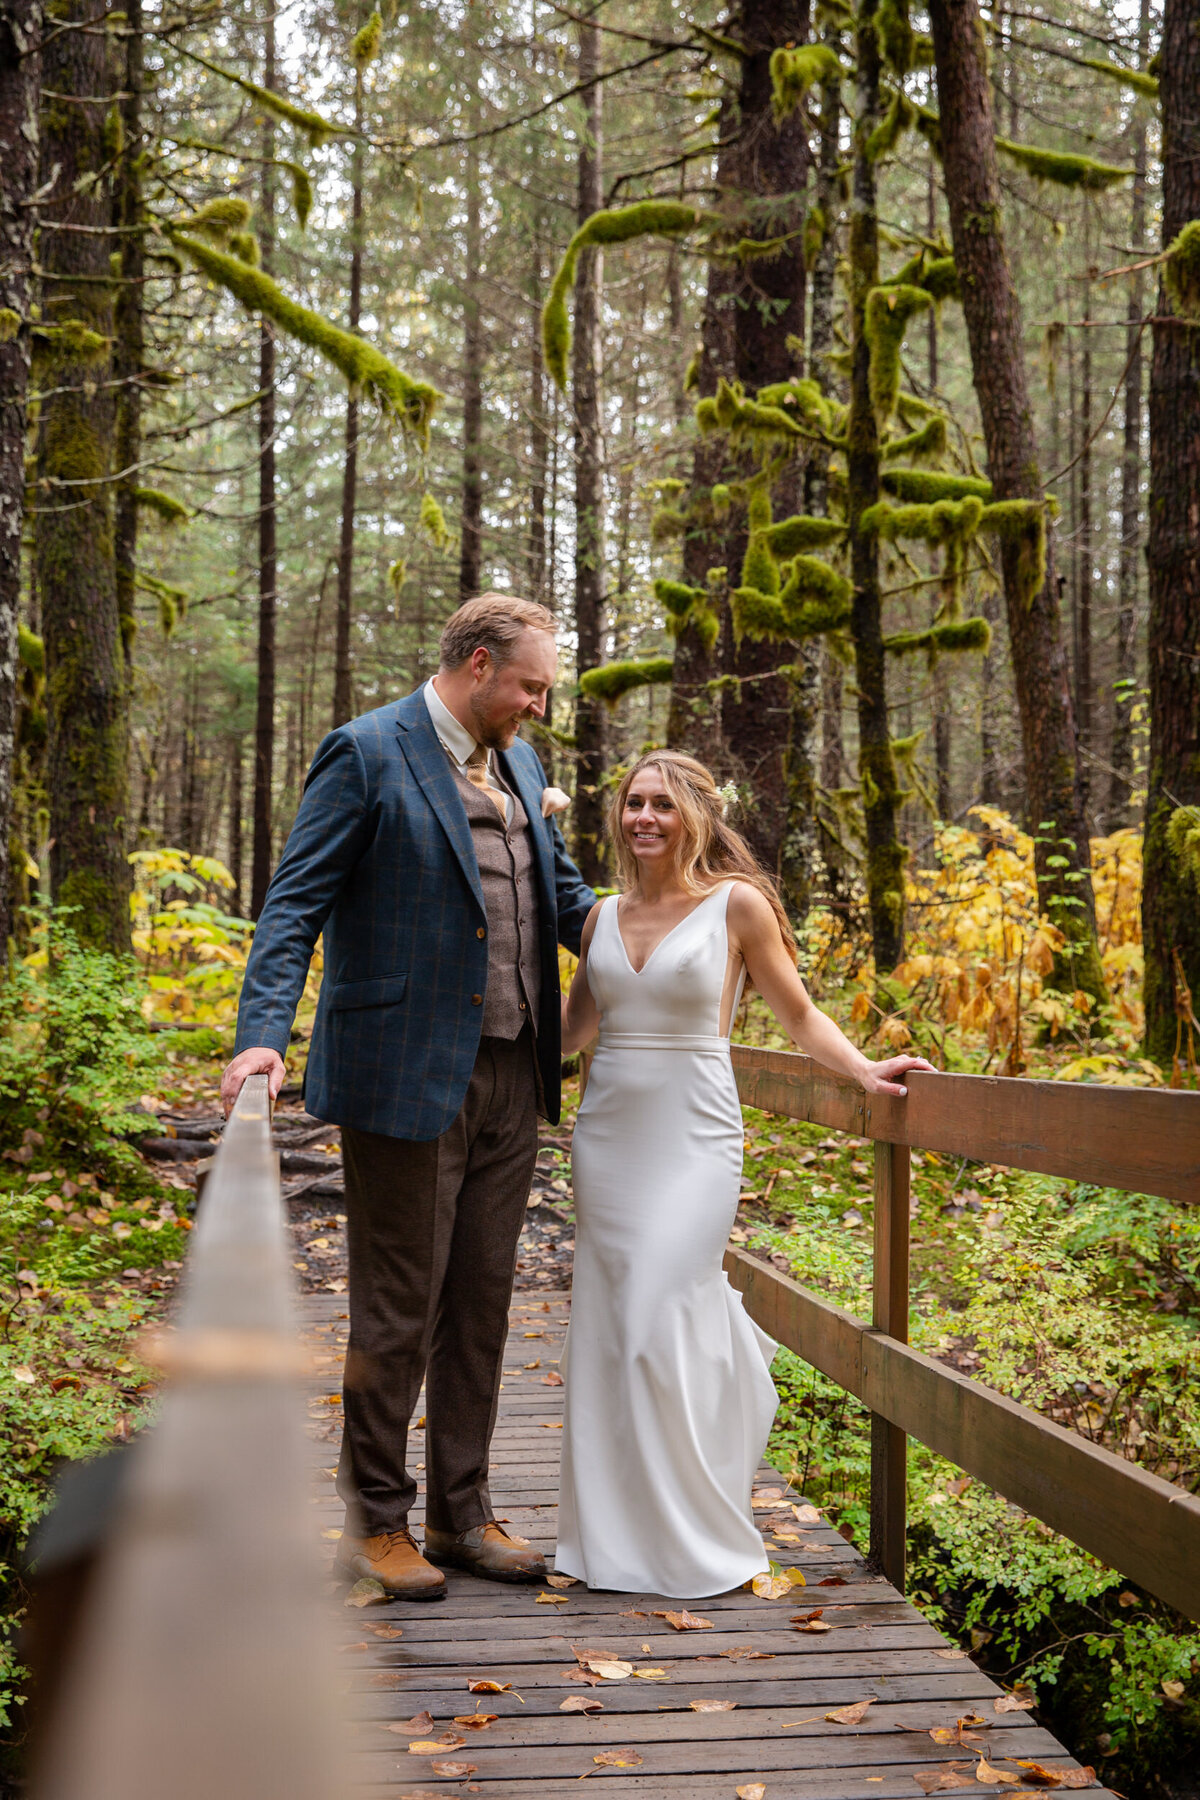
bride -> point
(669, 1398)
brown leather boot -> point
(487, 1550)
(393, 1559)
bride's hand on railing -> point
(887, 1077)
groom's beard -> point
(491, 733)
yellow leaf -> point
(545, 1599)
(752, 1790)
(618, 1759)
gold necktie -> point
(477, 775)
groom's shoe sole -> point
(445, 1561)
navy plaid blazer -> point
(380, 859)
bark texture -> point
(264, 723)
(589, 481)
(1171, 895)
(129, 350)
(20, 72)
(470, 557)
(85, 677)
(993, 321)
(343, 685)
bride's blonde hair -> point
(710, 851)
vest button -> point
(476, 999)
(521, 1004)
(481, 933)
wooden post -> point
(889, 1314)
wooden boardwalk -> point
(774, 1684)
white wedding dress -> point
(669, 1398)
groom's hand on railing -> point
(887, 1077)
(251, 1062)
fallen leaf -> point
(418, 1727)
(1011, 1703)
(1126, 1598)
(618, 1759)
(652, 1675)
(487, 1687)
(840, 1581)
(703, 1706)
(386, 1631)
(947, 1655)
(545, 1599)
(811, 1621)
(449, 1740)
(935, 1780)
(850, 1715)
(685, 1621)
(985, 1772)
(561, 1581)
(367, 1592)
(609, 1668)
(475, 1721)
(556, 1425)
(535, 1364)
(954, 1734)
(1079, 1778)
(581, 1703)
(807, 1515)
(552, 1379)
(766, 1499)
(458, 1770)
(586, 1677)
(23, 1375)
(752, 1790)
(1041, 1777)
(745, 1655)
(1173, 1689)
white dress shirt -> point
(455, 739)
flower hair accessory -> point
(729, 796)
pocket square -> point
(554, 801)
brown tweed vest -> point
(505, 858)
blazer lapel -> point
(431, 767)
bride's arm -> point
(754, 929)
(580, 1019)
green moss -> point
(895, 34)
(1022, 522)
(802, 532)
(942, 522)
(691, 375)
(217, 218)
(928, 440)
(748, 250)
(678, 597)
(432, 521)
(888, 312)
(940, 279)
(366, 44)
(756, 615)
(302, 188)
(612, 680)
(950, 635)
(245, 246)
(815, 597)
(1183, 842)
(801, 399)
(619, 225)
(1181, 272)
(891, 128)
(172, 601)
(815, 227)
(72, 341)
(31, 651)
(921, 487)
(930, 128)
(721, 499)
(315, 128)
(794, 72)
(170, 510)
(1062, 168)
(10, 324)
(367, 370)
(667, 522)
(1134, 78)
(112, 137)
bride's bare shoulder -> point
(749, 909)
(589, 926)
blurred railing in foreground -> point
(1146, 1140)
(198, 1669)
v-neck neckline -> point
(638, 973)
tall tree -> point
(129, 350)
(20, 79)
(589, 473)
(264, 725)
(993, 320)
(470, 555)
(364, 47)
(768, 717)
(74, 554)
(1171, 894)
(1085, 550)
(1121, 751)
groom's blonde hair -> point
(710, 851)
(492, 622)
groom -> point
(421, 852)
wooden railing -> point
(199, 1669)
(1144, 1140)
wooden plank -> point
(889, 1301)
(1146, 1140)
(1133, 1521)
(200, 1665)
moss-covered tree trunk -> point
(129, 351)
(20, 73)
(993, 321)
(87, 749)
(1120, 754)
(343, 698)
(264, 722)
(1085, 552)
(471, 549)
(1171, 895)
(876, 764)
(768, 720)
(589, 479)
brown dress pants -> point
(432, 1230)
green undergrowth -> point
(1081, 1302)
(89, 1238)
